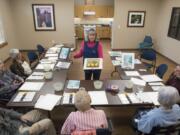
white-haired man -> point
(167, 114)
(19, 66)
(86, 118)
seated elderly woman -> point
(32, 123)
(166, 115)
(174, 79)
(9, 82)
(19, 66)
(86, 118)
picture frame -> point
(136, 18)
(64, 53)
(128, 60)
(44, 17)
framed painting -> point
(44, 17)
(136, 18)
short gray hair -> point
(168, 96)
(82, 100)
(14, 53)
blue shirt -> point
(159, 117)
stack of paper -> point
(68, 98)
(31, 86)
(36, 76)
(151, 78)
(51, 55)
(156, 84)
(24, 97)
(148, 97)
(53, 59)
(98, 97)
(45, 61)
(132, 73)
(115, 53)
(134, 98)
(116, 63)
(47, 102)
(137, 61)
(123, 99)
(139, 82)
(73, 84)
(63, 65)
(42, 66)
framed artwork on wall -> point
(44, 17)
(136, 18)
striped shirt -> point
(79, 121)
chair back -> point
(40, 49)
(161, 70)
(149, 55)
(170, 130)
(103, 131)
(32, 56)
(148, 39)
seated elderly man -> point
(9, 83)
(174, 79)
(86, 118)
(19, 66)
(167, 114)
(32, 123)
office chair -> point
(41, 50)
(150, 58)
(146, 44)
(32, 56)
(161, 70)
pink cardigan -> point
(90, 45)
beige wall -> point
(28, 38)
(5, 14)
(164, 44)
(124, 37)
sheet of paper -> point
(115, 53)
(148, 97)
(151, 78)
(156, 88)
(47, 102)
(42, 66)
(156, 84)
(35, 77)
(98, 97)
(38, 73)
(45, 61)
(132, 73)
(24, 97)
(143, 70)
(31, 86)
(134, 99)
(63, 65)
(119, 58)
(51, 55)
(68, 98)
(73, 84)
(137, 61)
(137, 81)
(123, 99)
(116, 63)
(53, 59)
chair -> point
(40, 49)
(161, 70)
(147, 43)
(32, 56)
(150, 58)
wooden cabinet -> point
(101, 11)
(103, 32)
(79, 31)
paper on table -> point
(132, 73)
(38, 73)
(156, 84)
(47, 102)
(148, 97)
(35, 77)
(31, 86)
(143, 70)
(156, 88)
(73, 84)
(123, 99)
(98, 97)
(134, 98)
(24, 97)
(41, 66)
(52, 59)
(151, 78)
(51, 55)
(59, 45)
(119, 58)
(63, 65)
(137, 61)
(138, 82)
(115, 53)
(116, 63)
(68, 98)
(45, 61)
